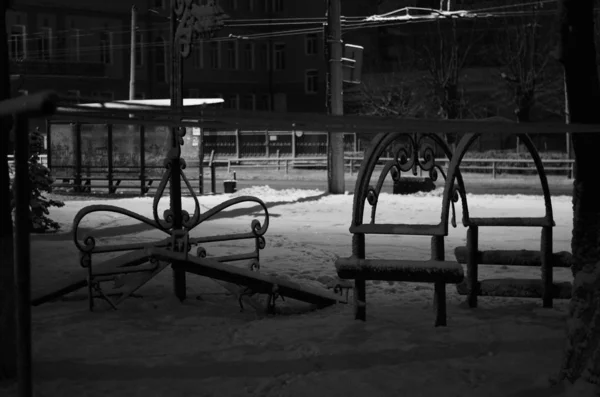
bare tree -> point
(524, 49)
(445, 51)
(8, 367)
(577, 53)
(390, 95)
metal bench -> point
(436, 269)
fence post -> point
(493, 169)
(267, 143)
(211, 164)
(570, 169)
(351, 166)
(142, 160)
(277, 159)
(287, 165)
(293, 144)
(201, 162)
(237, 143)
(77, 127)
(109, 132)
(48, 144)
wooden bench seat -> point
(435, 270)
(399, 270)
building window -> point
(17, 42)
(231, 102)
(73, 45)
(198, 55)
(265, 56)
(264, 102)
(277, 5)
(247, 102)
(311, 81)
(232, 55)
(215, 55)
(160, 61)
(249, 56)
(279, 56)
(310, 44)
(106, 47)
(273, 5)
(139, 49)
(44, 40)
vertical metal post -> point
(48, 144)
(237, 144)
(267, 143)
(22, 257)
(132, 52)
(439, 298)
(547, 266)
(293, 144)
(109, 131)
(179, 282)
(77, 131)
(472, 265)
(142, 159)
(201, 162)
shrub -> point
(40, 180)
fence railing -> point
(352, 162)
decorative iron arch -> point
(454, 172)
(418, 154)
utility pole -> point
(132, 50)
(335, 148)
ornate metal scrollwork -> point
(196, 21)
(418, 153)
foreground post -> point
(335, 148)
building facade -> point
(262, 60)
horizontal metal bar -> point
(40, 104)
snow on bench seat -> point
(427, 271)
(514, 257)
(512, 222)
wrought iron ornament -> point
(196, 22)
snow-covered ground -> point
(156, 346)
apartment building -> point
(262, 60)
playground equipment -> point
(138, 263)
(544, 258)
(417, 153)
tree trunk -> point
(581, 361)
(8, 366)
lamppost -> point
(188, 23)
